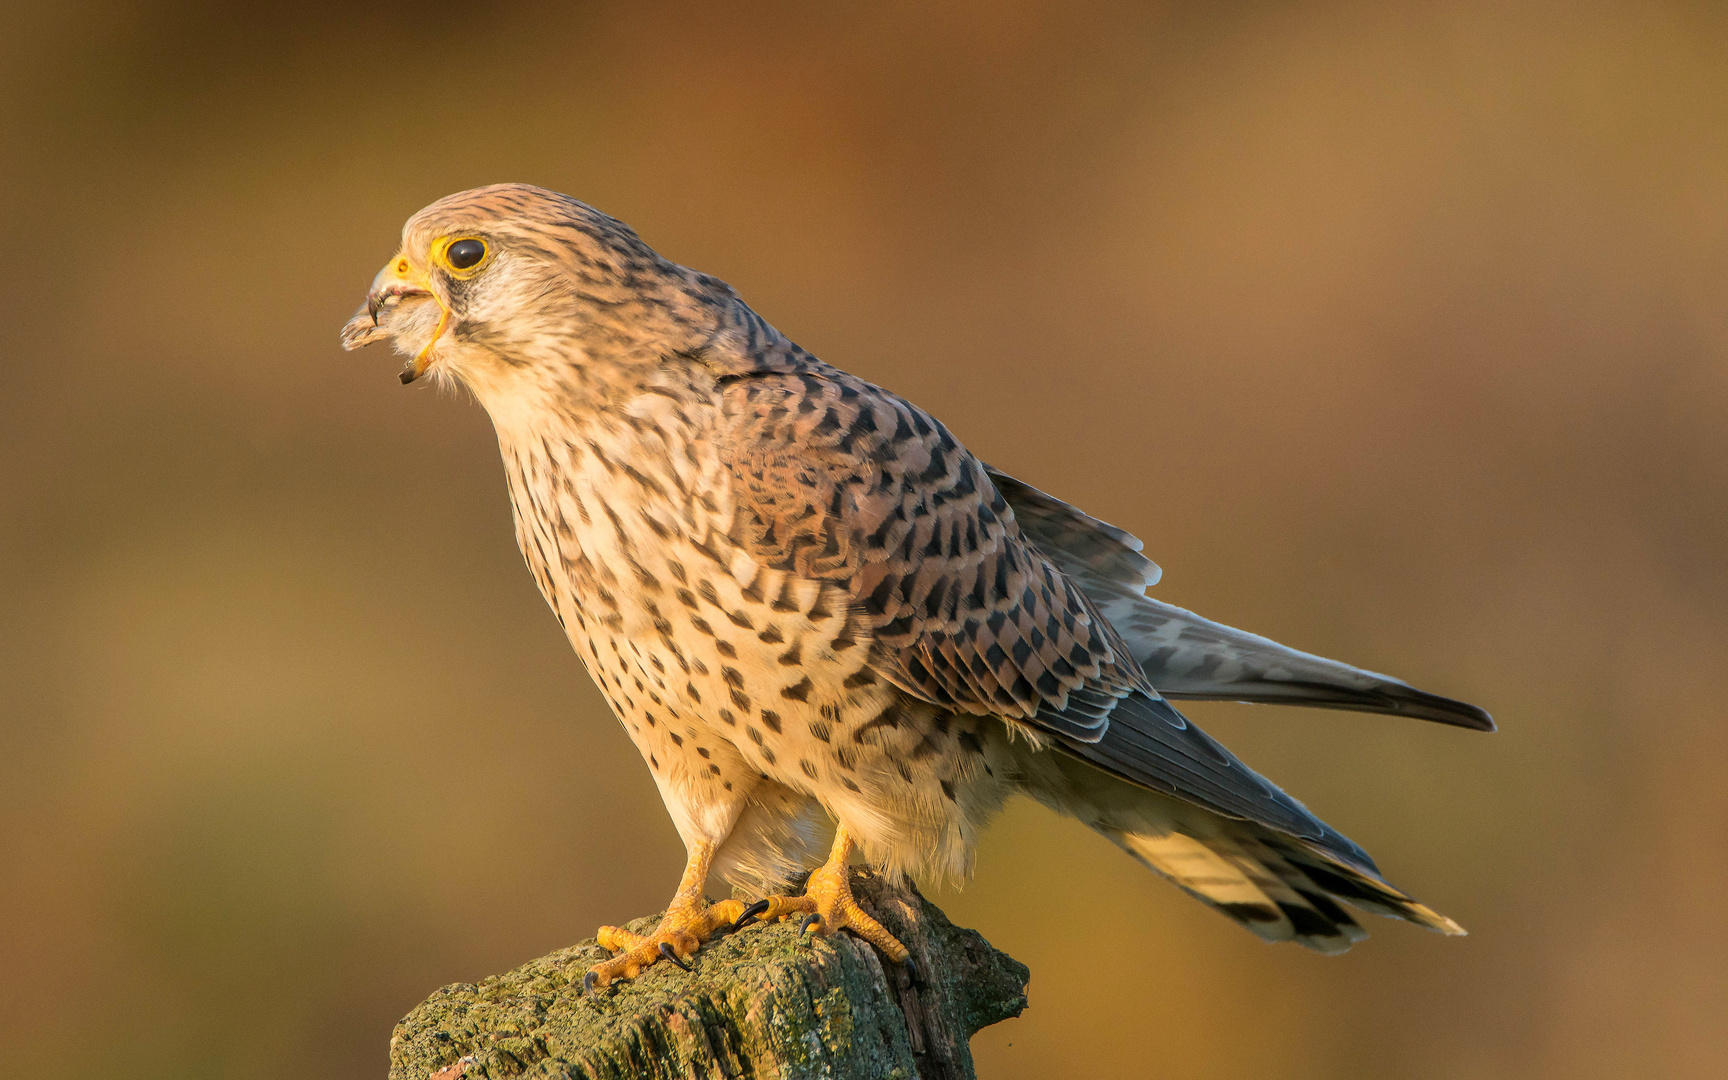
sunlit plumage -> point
(805, 600)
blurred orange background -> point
(1396, 330)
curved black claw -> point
(911, 971)
(588, 981)
(749, 916)
(669, 953)
(808, 921)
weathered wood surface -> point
(765, 1002)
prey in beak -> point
(396, 308)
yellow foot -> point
(677, 938)
(828, 905)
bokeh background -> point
(1397, 330)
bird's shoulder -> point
(821, 455)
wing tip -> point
(1443, 710)
(1399, 698)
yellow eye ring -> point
(463, 256)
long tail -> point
(1275, 886)
(1279, 886)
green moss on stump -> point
(765, 1002)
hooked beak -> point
(397, 282)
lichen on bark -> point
(764, 1002)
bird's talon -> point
(686, 925)
(588, 982)
(749, 915)
(667, 951)
(808, 921)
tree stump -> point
(764, 1002)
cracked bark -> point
(765, 1002)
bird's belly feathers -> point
(726, 673)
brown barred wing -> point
(839, 480)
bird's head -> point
(517, 279)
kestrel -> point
(804, 599)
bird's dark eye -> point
(464, 254)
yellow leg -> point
(828, 902)
(689, 921)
